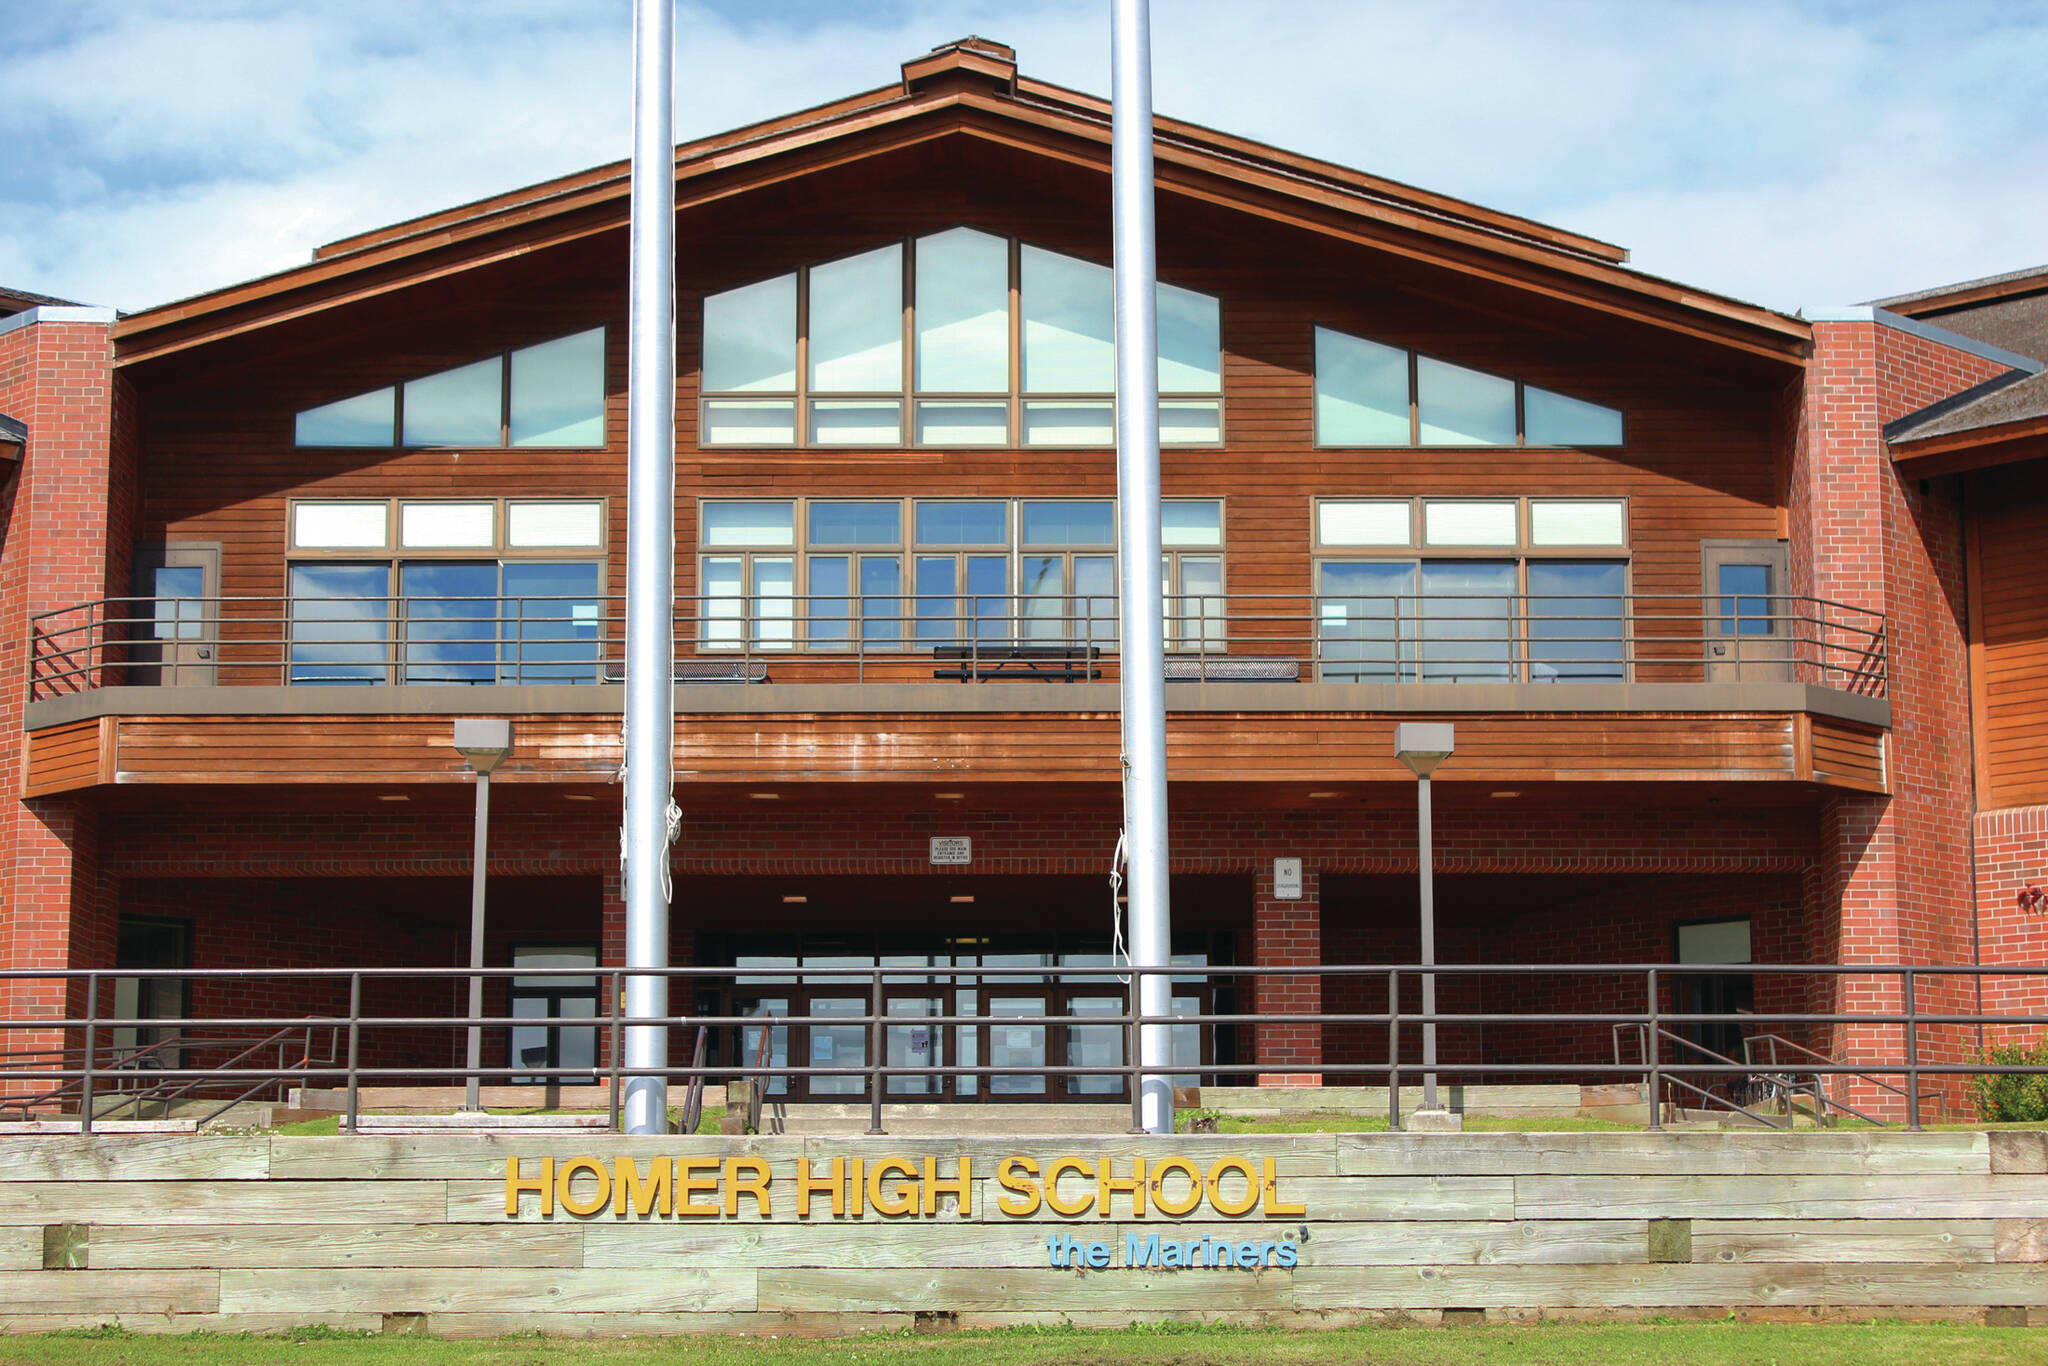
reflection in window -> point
(973, 299)
(459, 407)
(1745, 599)
(340, 617)
(1372, 394)
(549, 394)
(963, 313)
(1575, 621)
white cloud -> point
(1780, 151)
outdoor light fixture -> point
(794, 900)
(13, 438)
(1422, 745)
(766, 796)
(483, 742)
(961, 900)
(1317, 796)
(949, 796)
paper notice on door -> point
(824, 1048)
(1016, 1037)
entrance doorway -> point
(1024, 1021)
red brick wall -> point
(70, 500)
(1894, 874)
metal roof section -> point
(50, 313)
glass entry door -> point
(1015, 1045)
(915, 1044)
(836, 1045)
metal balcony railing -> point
(55, 1032)
(897, 638)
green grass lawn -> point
(1649, 1344)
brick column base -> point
(1287, 934)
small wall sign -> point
(1286, 879)
(952, 850)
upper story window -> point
(468, 591)
(1461, 590)
(889, 573)
(1372, 394)
(550, 394)
(956, 339)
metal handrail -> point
(875, 1070)
(569, 639)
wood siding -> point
(2009, 634)
(1216, 747)
(219, 464)
(1844, 754)
(65, 757)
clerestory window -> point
(1372, 394)
(956, 339)
(547, 395)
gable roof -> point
(972, 88)
(1979, 426)
(14, 301)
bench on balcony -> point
(1044, 663)
(1231, 669)
(707, 671)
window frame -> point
(504, 441)
(909, 399)
(1521, 554)
(1415, 441)
(394, 558)
(908, 551)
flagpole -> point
(650, 559)
(1143, 647)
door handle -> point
(206, 652)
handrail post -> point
(1133, 1064)
(355, 1018)
(875, 1054)
(1652, 1050)
(1912, 1058)
(92, 997)
(618, 994)
(1394, 1050)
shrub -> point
(2013, 1096)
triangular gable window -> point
(1372, 394)
(958, 338)
(547, 395)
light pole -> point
(484, 742)
(1422, 746)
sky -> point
(1795, 154)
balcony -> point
(1519, 641)
(1264, 689)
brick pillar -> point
(1287, 934)
(611, 953)
(1894, 878)
(65, 526)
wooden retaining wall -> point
(170, 1232)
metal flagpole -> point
(1137, 477)
(650, 557)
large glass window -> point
(548, 394)
(341, 623)
(1371, 394)
(889, 573)
(1010, 344)
(1402, 598)
(447, 592)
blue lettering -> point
(1247, 1254)
(1052, 1251)
(1098, 1255)
(1143, 1254)
(1177, 1253)
(1288, 1256)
